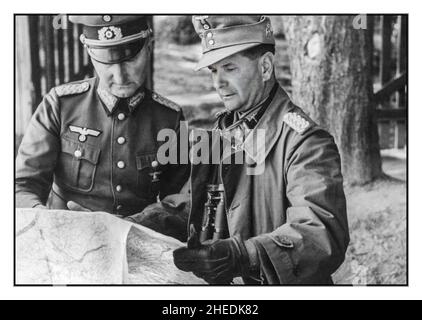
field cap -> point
(113, 38)
(222, 36)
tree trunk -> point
(331, 69)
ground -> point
(378, 227)
(376, 212)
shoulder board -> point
(71, 88)
(164, 101)
(296, 122)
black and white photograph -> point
(211, 149)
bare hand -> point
(73, 206)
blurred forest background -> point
(351, 81)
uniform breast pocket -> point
(77, 165)
(145, 170)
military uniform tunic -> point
(84, 144)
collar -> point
(136, 99)
(260, 140)
(111, 101)
(250, 118)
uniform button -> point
(78, 154)
(119, 188)
(286, 242)
(211, 42)
(119, 207)
(121, 140)
(121, 164)
(121, 116)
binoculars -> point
(214, 221)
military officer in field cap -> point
(287, 223)
(92, 144)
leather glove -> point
(217, 263)
(169, 217)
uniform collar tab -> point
(257, 145)
(107, 98)
(111, 101)
(136, 99)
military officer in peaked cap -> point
(93, 143)
(288, 223)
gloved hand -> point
(169, 217)
(217, 263)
